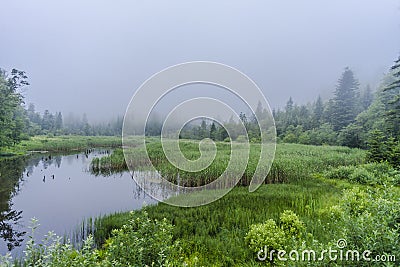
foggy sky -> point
(90, 56)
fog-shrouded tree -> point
(48, 121)
(58, 121)
(344, 102)
(393, 113)
(366, 98)
(213, 132)
(318, 112)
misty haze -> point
(212, 133)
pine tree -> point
(213, 132)
(377, 150)
(203, 130)
(59, 121)
(318, 112)
(289, 118)
(393, 114)
(344, 101)
(366, 98)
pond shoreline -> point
(63, 143)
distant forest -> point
(354, 117)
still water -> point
(59, 191)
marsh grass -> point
(215, 232)
(63, 144)
(293, 162)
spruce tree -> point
(367, 98)
(377, 150)
(318, 112)
(344, 101)
(393, 114)
(213, 132)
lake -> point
(61, 192)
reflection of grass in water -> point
(215, 232)
(292, 162)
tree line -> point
(334, 121)
(57, 124)
(353, 117)
(330, 122)
(18, 122)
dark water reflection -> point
(60, 192)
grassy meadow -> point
(312, 197)
(292, 162)
(308, 180)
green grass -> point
(293, 162)
(61, 144)
(215, 233)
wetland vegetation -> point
(334, 184)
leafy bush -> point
(341, 172)
(291, 224)
(265, 236)
(362, 176)
(140, 242)
(370, 220)
(269, 236)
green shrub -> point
(269, 236)
(265, 236)
(362, 176)
(369, 174)
(291, 224)
(341, 172)
(140, 242)
(371, 221)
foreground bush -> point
(270, 237)
(370, 220)
(140, 242)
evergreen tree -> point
(289, 120)
(222, 133)
(351, 136)
(367, 98)
(59, 121)
(203, 130)
(393, 113)
(344, 101)
(377, 150)
(48, 121)
(213, 132)
(86, 129)
(318, 112)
